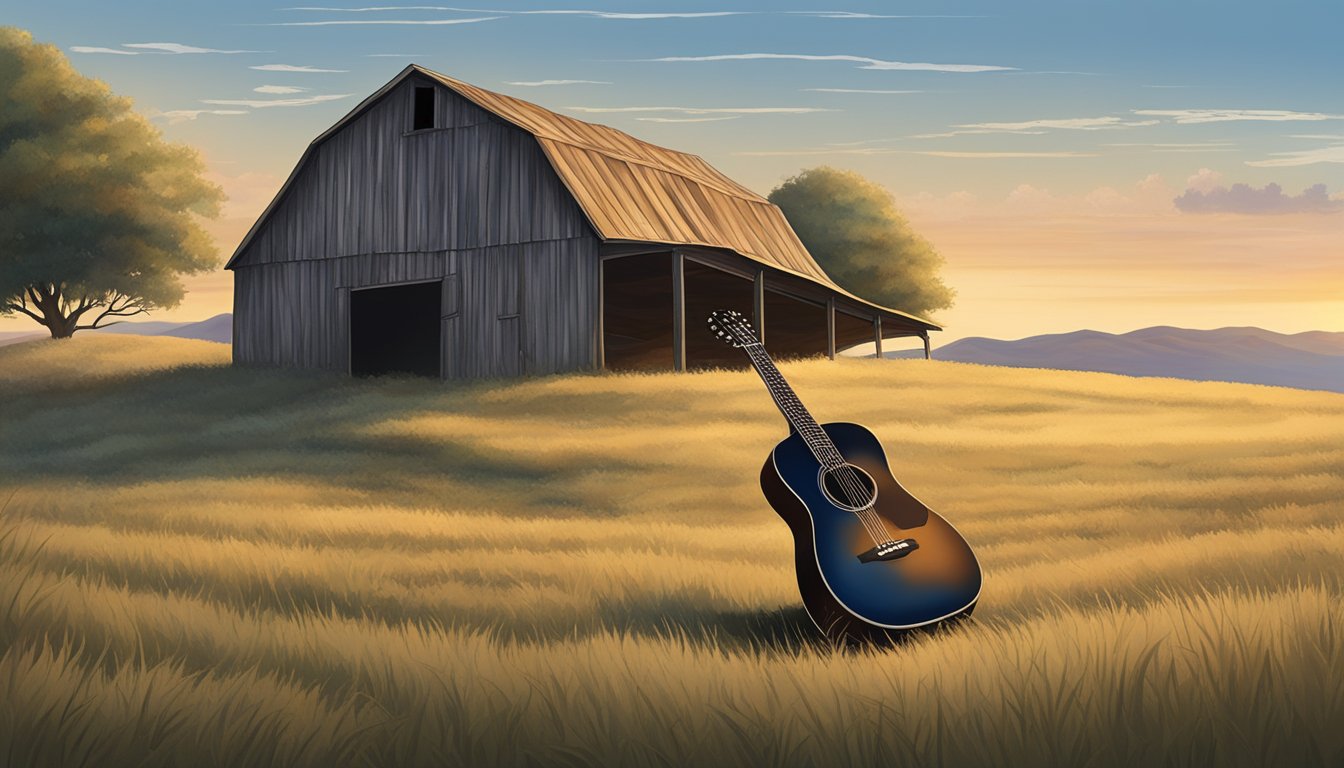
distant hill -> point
(218, 328)
(1311, 360)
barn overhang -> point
(656, 299)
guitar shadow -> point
(787, 630)
(791, 630)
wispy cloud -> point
(181, 115)
(857, 15)
(545, 12)
(394, 55)
(370, 9)
(1243, 198)
(703, 110)
(1178, 147)
(893, 151)
(864, 62)
(540, 83)
(996, 155)
(382, 22)
(1332, 154)
(854, 90)
(687, 119)
(621, 15)
(1318, 136)
(155, 49)
(179, 48)
(265, 103)
(95, 49)
(279, 89)
(822, 151)
(1042, 126)
(972, 132)
(292, 68)
(1188, 145)
(1189, 116)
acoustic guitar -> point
(873, 561)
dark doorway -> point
(794, 327)
(852, 330)
(395, 330)
(637, 312)
(708, 289)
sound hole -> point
(849, 487)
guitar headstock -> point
(731, 327)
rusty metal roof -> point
(631, 190)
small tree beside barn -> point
(443, 229)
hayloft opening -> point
(424, 109)
(395, 329)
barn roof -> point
(631, 190)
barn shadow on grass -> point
(220, 423)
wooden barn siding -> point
(527, 308)
(374, 187)
(474, 203)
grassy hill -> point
(208, 565)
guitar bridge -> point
(889, 550)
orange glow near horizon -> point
(1032, 263)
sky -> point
(1109, 166)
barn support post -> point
(830, 328)
(925, 336)
(599, 327)
(678, 310)
(877, 336)
(758, 304)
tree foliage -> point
(851, 227)
(98, 213)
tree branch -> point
(20, 308)
(113, 310)
(85, 304)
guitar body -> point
(937, 580)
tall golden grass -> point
(208, 565)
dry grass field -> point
(202, 565)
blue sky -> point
(1082, 121)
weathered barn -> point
(447, 230)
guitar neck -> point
(791, 407)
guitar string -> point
(820, 443)
(826, 452)
(869, 521)
(844, 472)
(813, 435)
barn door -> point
(451, 305)
(507, 359)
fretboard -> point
(792, 408)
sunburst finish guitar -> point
(873, 562)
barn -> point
(446, 230)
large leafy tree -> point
(851, 227)
(98, 213)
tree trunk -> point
(56, 321)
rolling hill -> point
(1311, 360)
(247, 566)
(218, 328)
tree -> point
(98, 214)
(851, 227)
